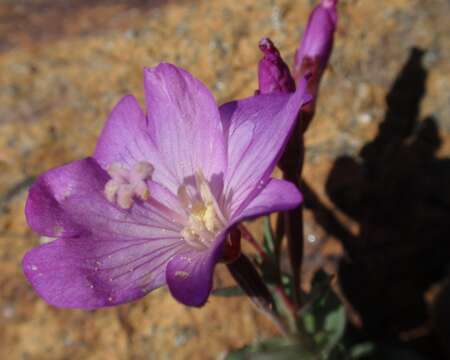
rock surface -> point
(65, 64)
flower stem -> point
(292, 165)
(251, 282)
(256, 245)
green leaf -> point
(362, 350)
(309, 323)
(271, 245)
(230, 291)
(335, 326)
(273, 349)
(268, 243)
(324, 318)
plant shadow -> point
(398, 191)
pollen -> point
(204, 216)
(126, 185)
(181, 274)
(210, 219)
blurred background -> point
(376, 179)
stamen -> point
(117, 171)
(210, 219)
(142, 170)
(183, 196)
(128, 184)
(141, 190)
(205, 218)
(111, 189)
(125, 196)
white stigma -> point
(126, 185)
(205, 218)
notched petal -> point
(184, 121)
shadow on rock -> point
(399, 193)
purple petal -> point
(92, 272)
(118, 255)
(273, 73)
(126, 139)
(184, 122)
(149, 220)
(77, 198)
(189, 275)
(43, 209)
(278, 195)
(258, 129)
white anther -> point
(143, 170)
(117, 171)
(128, 184)
(141, 190)
(125, 196)
(111, 188)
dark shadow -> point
(399, 193)
(441, 317)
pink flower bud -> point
(273, 73)
(317, 42)
(314, 51)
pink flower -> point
(155, 202)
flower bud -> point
(317, 42)
(314, 51)
(273, 73)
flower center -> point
(205, 218)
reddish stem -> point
(249, 237)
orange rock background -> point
(63, 66)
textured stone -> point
(65, 64)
